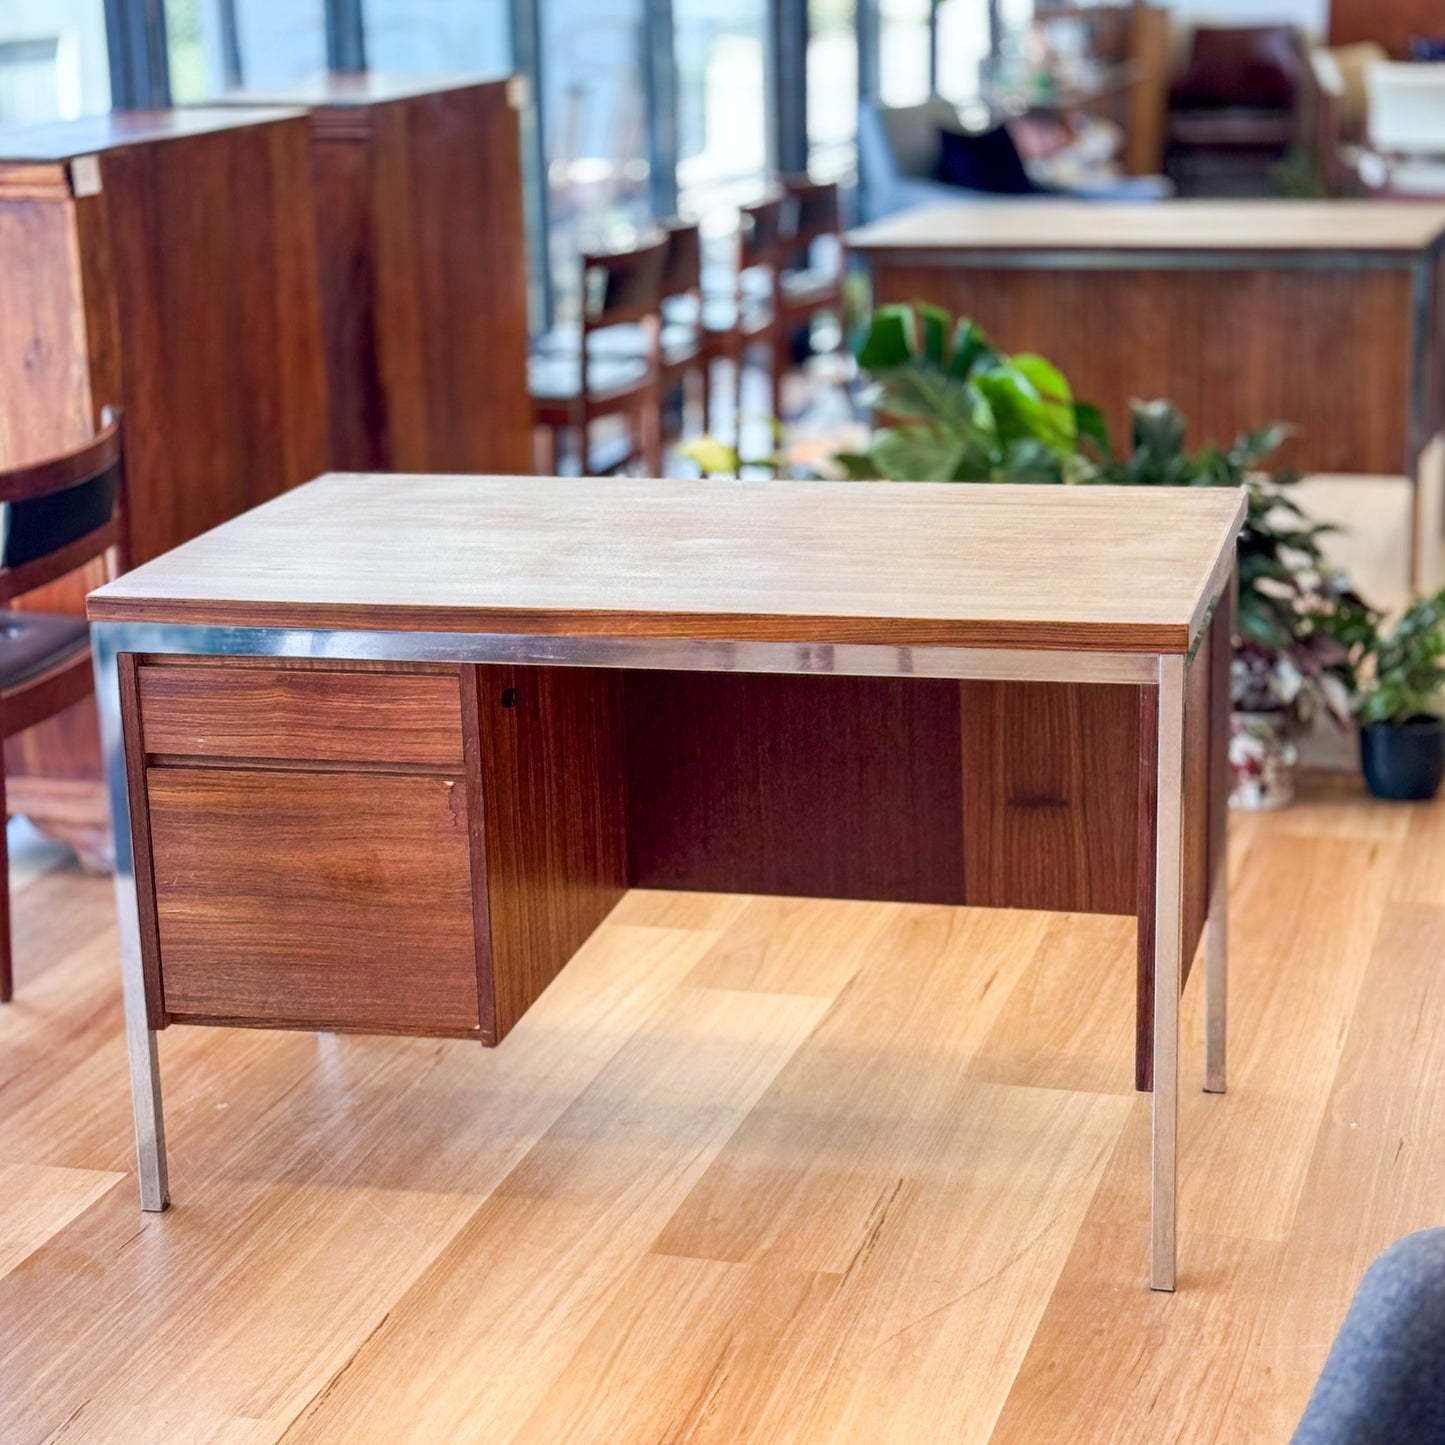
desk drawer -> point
(302, 714)
(329, 900)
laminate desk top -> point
(64, 140)
(1370, 227)
(1130, 569)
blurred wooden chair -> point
(59, 514)
(812, 263)
(573, 386)
(740, 301)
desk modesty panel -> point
(385, 750)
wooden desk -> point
(381, 757)
(423, 270)
(164, 261)
(1322, 314)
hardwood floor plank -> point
(480, 1337)
(1114, 1361)
(803, 1174)
(1377, 1170)
(793, 945)
(37, 1201)
(1068, 1023)
(1303, 919)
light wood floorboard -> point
(752, 1170)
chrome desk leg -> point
(1216, 983)
(1167, 931)
(140, 1038)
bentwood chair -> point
(571, 389)
(739, 308)
(59, 514)
(811, 262)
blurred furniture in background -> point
(167, 261)
(1393, 24)
(918, 155)
(423, 271)
(1321, 314)
(59, 514)
(572, 388)
(1236, 110)
(1339, 113)
(740, 301)
(1406, 125)
(811, 267)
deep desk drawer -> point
(331, 900)
(321, 715)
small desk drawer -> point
(302, 715)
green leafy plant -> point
(953, 407)
(1396, 671)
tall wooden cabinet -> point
(423, 271)
(166, 261)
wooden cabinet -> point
(423, 272)
(407, 850)
(166, 262)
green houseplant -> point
(1399, 680)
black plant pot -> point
(1404, 761)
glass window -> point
(722, 140)
(963, 49)
(832, 89)
(905, 51)
(594, 107)
(438, 37)
(53, 60)
(218, 46)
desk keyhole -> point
(509, 697)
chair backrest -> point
(760, 233)
(624, 285)
(58, 514)
(813, 211)
(682, 273)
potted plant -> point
(1288, 651)
(1399, 680)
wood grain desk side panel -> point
(553, 778)
(834, 787)
(1232, 349)
(332, 900)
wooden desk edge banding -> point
(224, 738)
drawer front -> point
(305, 715)
(322, 900)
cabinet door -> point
(330, 899)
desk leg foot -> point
(1168, 920)
(1216, 986)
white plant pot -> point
(1263, 760)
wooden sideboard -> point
(1325, 315)
(423, 271)
(165, 261)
